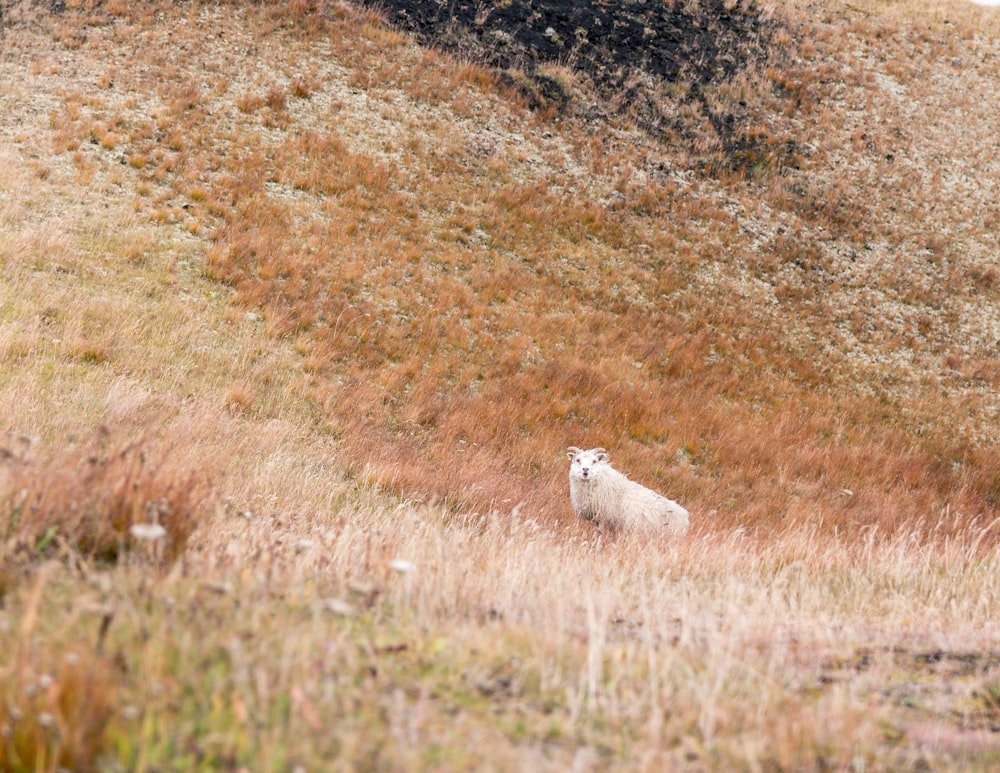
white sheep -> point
(603, 495)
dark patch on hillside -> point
(641, 58)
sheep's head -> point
(584, 465)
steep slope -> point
(472, 286)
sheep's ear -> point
(571, 452)
(602, 455)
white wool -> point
(603, 495)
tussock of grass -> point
(95, 498)
(56, 703)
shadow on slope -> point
(650, 60)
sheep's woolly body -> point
(603, 495)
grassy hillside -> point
(327, 302)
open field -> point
(328, 305)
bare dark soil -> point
(628, 54)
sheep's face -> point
(586, 465)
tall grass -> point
(102, 497)
(287, 640)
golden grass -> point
(346, 253)
(292, 639)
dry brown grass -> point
(292, 640)
(97, 498)
(56, 704)
(308, 246)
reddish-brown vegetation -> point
(468, 305)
